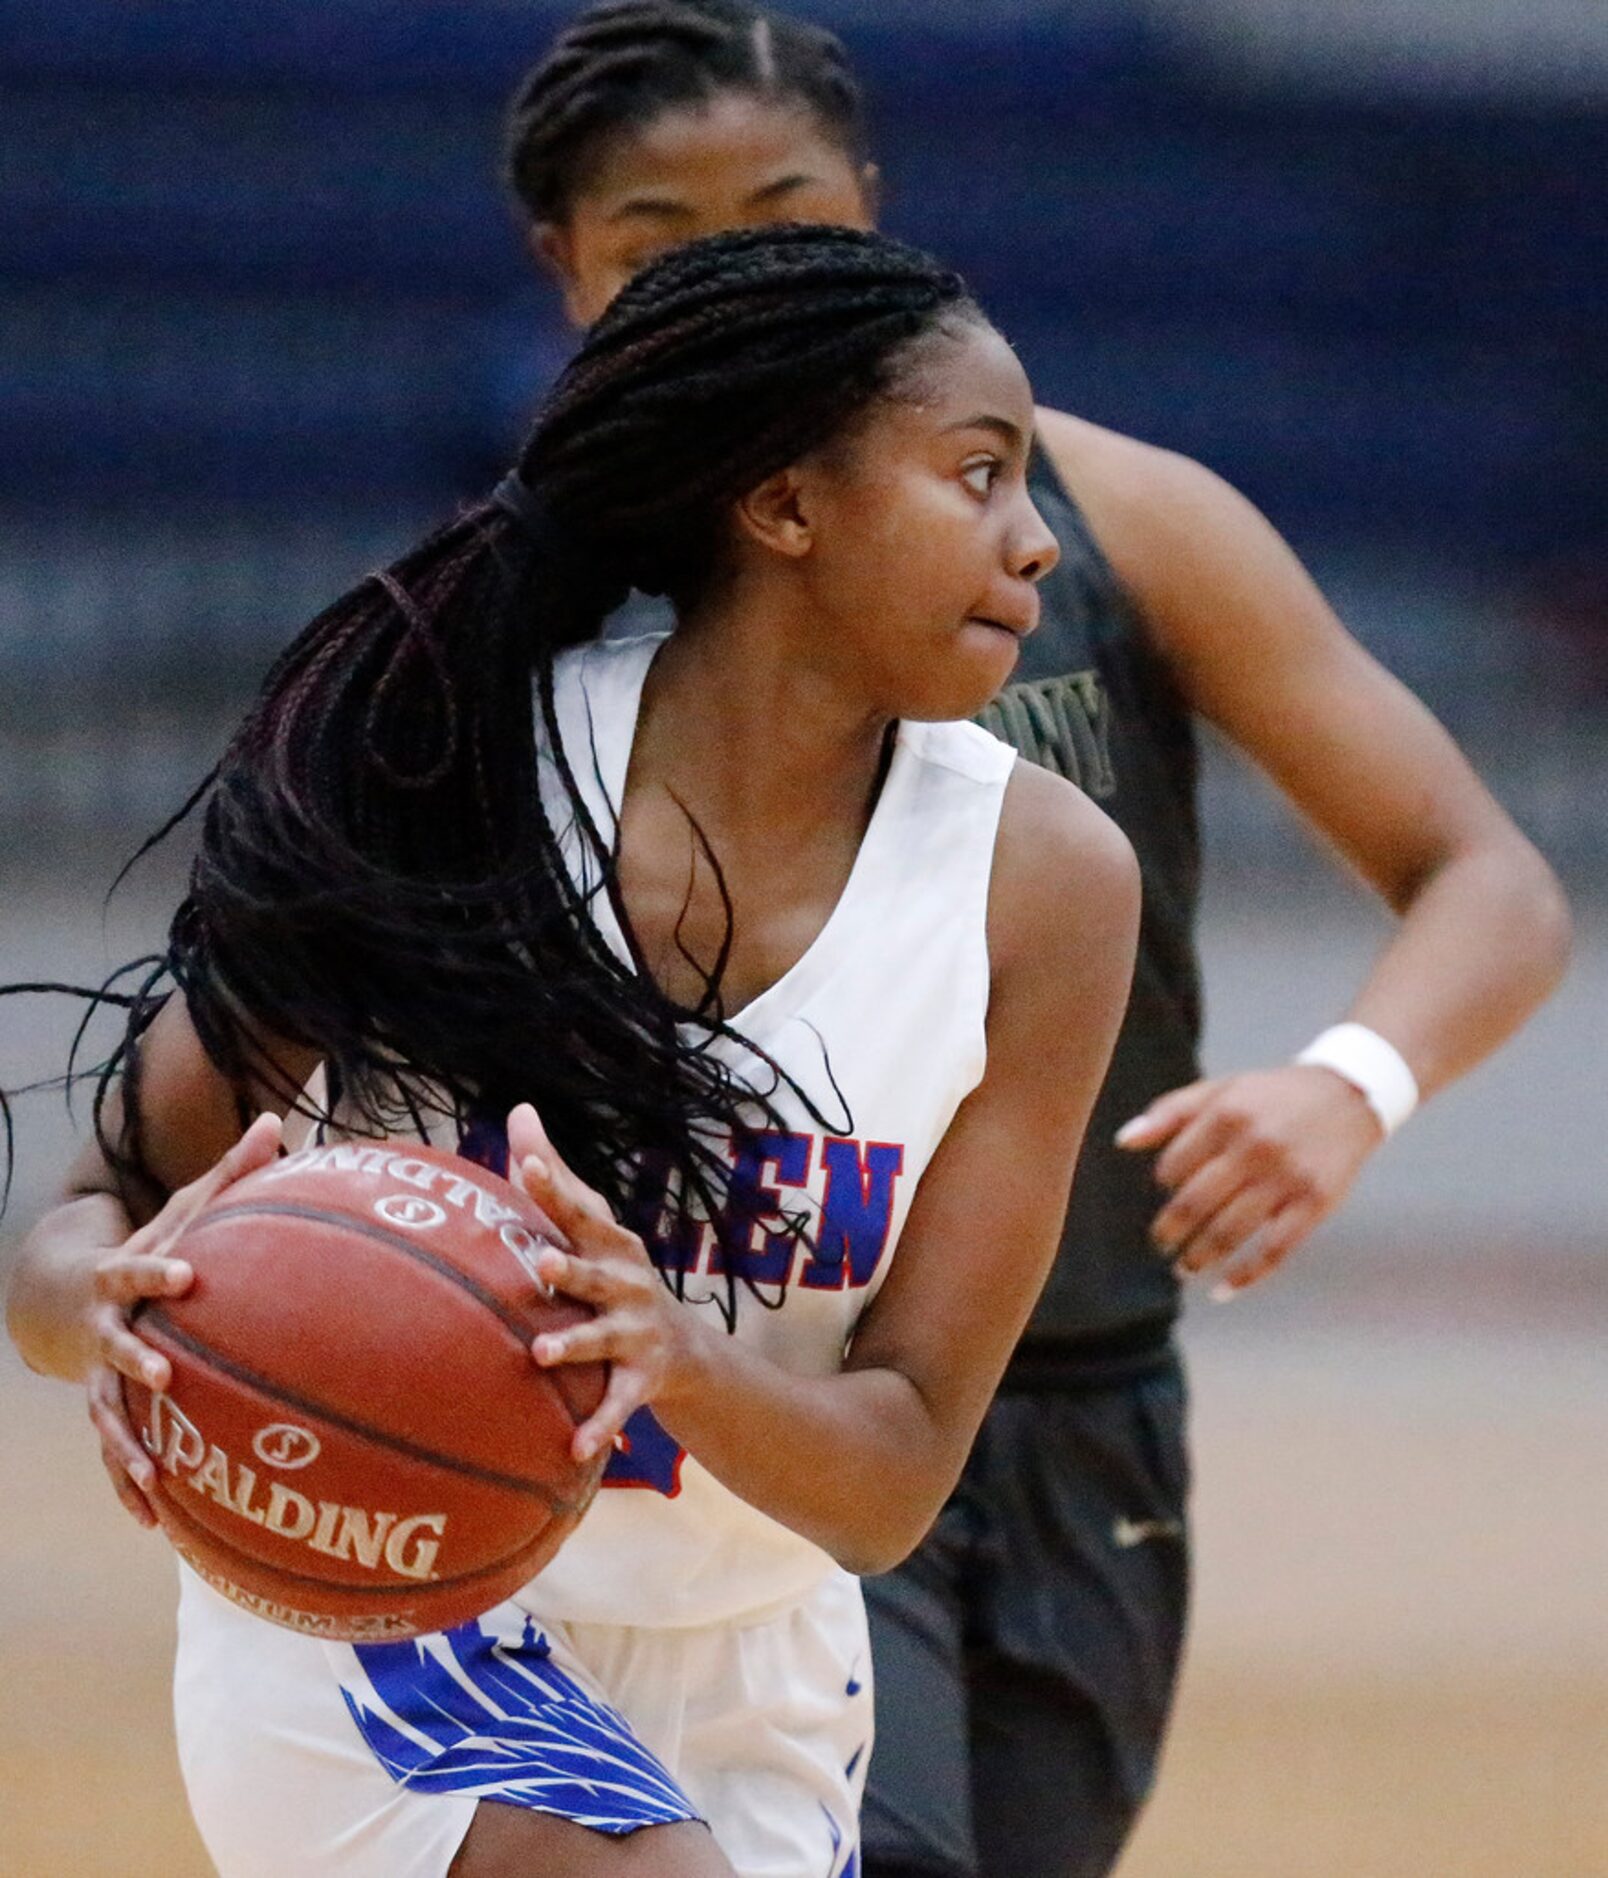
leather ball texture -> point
(355, 1442)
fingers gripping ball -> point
(355, 1442)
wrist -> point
(49, 1312)
(1372, 1065)
(692, 1355)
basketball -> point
(356, 1442)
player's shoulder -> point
(1053, 821)
(1064, 872)
(1136, 496)
(1171, 528)
(1114, 467)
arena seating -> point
(254, 264)
(259, 249)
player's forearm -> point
(50, 1290)
(853, 1461)
(1482, 942)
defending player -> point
(755, 925)
(1027, 1653)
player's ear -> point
(552, 247)
(776, 515)
(871, 192)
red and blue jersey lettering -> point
(772, 1232)
(856, 1213)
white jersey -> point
(881, 1025)
(684, 1656)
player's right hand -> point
(143, 1266)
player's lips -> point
(1000, 626)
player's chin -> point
(979, 661)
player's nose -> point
(1033, 547)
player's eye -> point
(981, 474)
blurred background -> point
(264, 314)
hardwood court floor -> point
(1400, 1666)
(1400, 1658)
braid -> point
(778, 335)
(378, 879)
(623, 62)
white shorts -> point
(369, 1761)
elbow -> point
(1543, 924)
(1554, 923)
(885, 1505)
(1509, 887)
(887, 1531)
(869, 1555)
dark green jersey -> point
(1092, 702)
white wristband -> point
(1373, 1066)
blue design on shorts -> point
(851, 1865)
(461, 1713)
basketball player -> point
(1026, 1654)
(812, 985)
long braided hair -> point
(378, 880)
(619, 64)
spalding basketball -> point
(356, 1442)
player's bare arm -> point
(109, 1242)
(190, 1127)
(927, 1357)
(1483, 934)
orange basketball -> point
(356, 1442)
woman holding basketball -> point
(1026, 1653)
(811, 988)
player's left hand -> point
(637, 1329)
(1252, 1163)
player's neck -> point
(750, 730)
